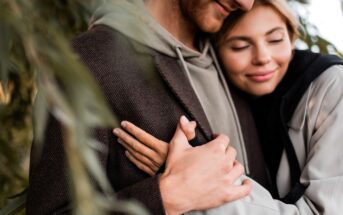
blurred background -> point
(35, 55)
(322, 18)
(327, 16)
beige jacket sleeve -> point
(317, 131)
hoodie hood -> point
(131, 18)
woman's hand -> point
(144, 150)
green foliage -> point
(36, 62)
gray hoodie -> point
(131, 18)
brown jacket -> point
(144, 87)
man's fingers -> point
(237, 171)
(139, 164)
(231, 153)
(221, 140)
(239, 191)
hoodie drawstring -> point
(184, 65)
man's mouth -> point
(228, 8)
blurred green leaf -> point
(15, 204)
(35, 56)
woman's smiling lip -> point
(261, 76)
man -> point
(154, 64)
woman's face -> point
(256, 52)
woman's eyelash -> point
(276, 41)
(239, 48)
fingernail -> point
(116, 131)
(123, 124)
(127, 153)
(120, 141)
(184, 119)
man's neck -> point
(168, 14)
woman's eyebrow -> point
(247, 38)
(274, 29)
(244, 38)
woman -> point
(297, 100)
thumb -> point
(177, 148)
(179, 142)
(188, 127)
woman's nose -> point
(262, 56)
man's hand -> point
(202, 177)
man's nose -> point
(244, 4)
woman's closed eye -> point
(276, 41)
(276, 37)
(240, 48)
(239, 45)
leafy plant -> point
(36, 61)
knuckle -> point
(228, 195)
(239, 170)
(246, 192)
(134, 146)
(232, 151)
(224, 138)
(228, 181)
(220, 147)
(223, 142)
(226, 168)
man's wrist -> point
(173, 201)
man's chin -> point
(212, 27)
